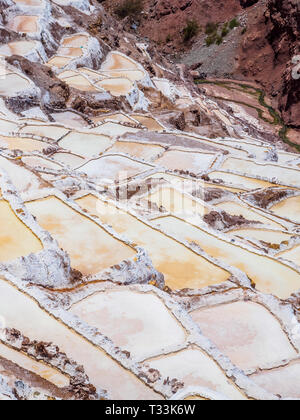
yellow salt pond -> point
(27, 316)
(75, 41)
(114, 117)
(18, 47)
(266, 235)
(239, 181)
(44, 371)
(90, 247)
(150, 123)
(285, 176)
(180, 181)
(131, 75)
(195, 368)
(78, 82)
(291, 255)
(180, 266)
(288, 208)
(127, 318)
(176, 202)
(26, 24)
(69, 52)
(117, 61)
(24, 144)
(116, 86)
(269, 275)
(58, 61)
(246, 332)
(16, 239)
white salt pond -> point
(195, 368)
(27, 316)
(246, 332)
(127, 318)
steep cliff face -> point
(284, 37)
(267, 51)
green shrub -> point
(211, 28)
(234, 23)
(219, 40)
(129, 8)
(191, 30)
(225, 30)
(210, 40)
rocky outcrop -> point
(222, 220)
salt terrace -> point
(159, 252)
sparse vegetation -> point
(211, 28)
(234, 23)
(219, 40)
(212, 31)
(210, 40)
(129, 8)
(190, 31)
(225, 30)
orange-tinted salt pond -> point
(16, 239)
(269, 275)
(90, 247)
(288, 208)
(181, 267)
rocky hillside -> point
(260, 49)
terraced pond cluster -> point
(149, 233)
